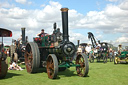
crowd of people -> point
(90, 51)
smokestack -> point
(54, 26)
(78, 42)
(65, 24)
(23, 36)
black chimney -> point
(23, 36)
(54, 26)
(65, 24)
(78, 43)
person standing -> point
(7, 52)
(79, 50)
(88, 49)
(120, 49)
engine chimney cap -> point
(64, 9)
(23, 28)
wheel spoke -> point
(78, 70)
(82, 65)
(52, 66)
(27, 53)
(30, 55)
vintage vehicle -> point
(3, 53)
(17, 49)
(103, 54)
(55, 52)
(101, 47)
(123, 57)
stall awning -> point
(5, 33)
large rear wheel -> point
(52, 66)
(83, 69)
(32, 57)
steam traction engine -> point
(17, 49)
(55, 52)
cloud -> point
(33, 20)
(113, 19)
(6, 5)
(43, 5)
(23, 2)
(77, 36)
(124, 5)
(122, 39)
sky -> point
(106, 19)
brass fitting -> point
(64, 9)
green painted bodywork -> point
(68, 64)
(44, 41)
(123, 54)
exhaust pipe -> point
(23, 35)
(65, 24)
(78, 42)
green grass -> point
(99, 74)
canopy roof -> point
(5, 33)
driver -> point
(42, 33)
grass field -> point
(99, 74)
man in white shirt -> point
(88, 49)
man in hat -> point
(120, 49)
(42, 33)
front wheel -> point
(83, 69)
(52, 66)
